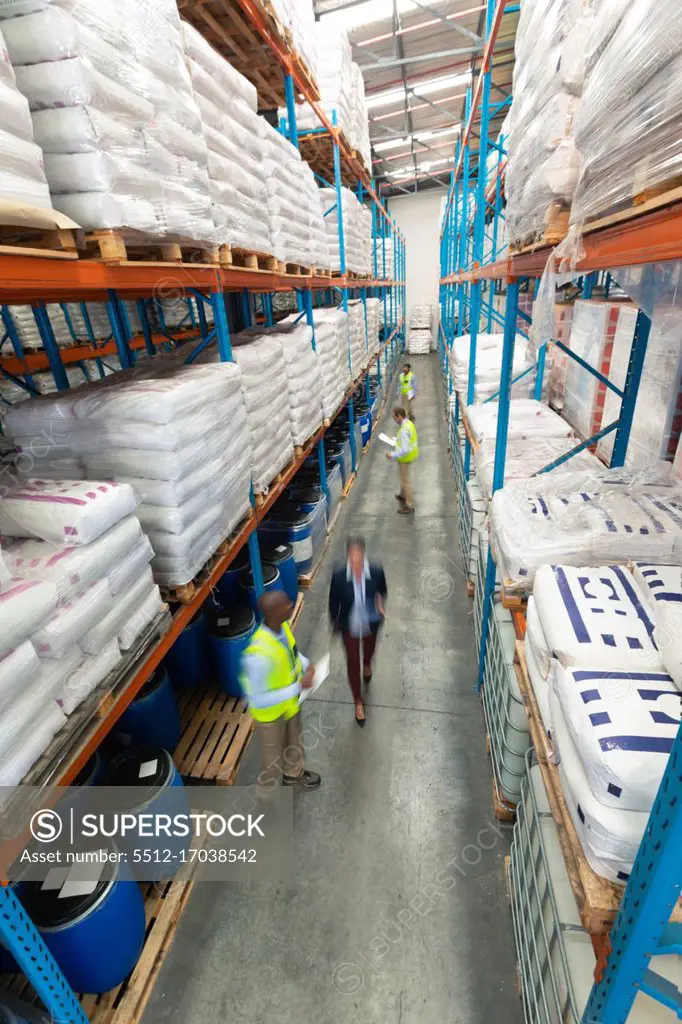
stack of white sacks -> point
(297, 227)
(373, 314)
(419, 338)
(382, 258)
(605, 661)
(265, 390)
(579, 516)
(235, 145)
(359, 132)
(22, 176)
(488, 365)
(627, 129)
(302, 24)
(543, 162)
(69, 321)
(114, 112)
(334, 79)
(331, 352)
(76, 591)
(177, 434)
(357, 338)
(356, 231)
(302, 374)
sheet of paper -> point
(387, 440)
(321, 673)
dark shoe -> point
(360, 721)
(399, 497)
(308, 780)
(366, 678)
(406, 510)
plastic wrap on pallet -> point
(419, 341)
(22, 175)
(577, 518)
(139, 160)
(528, 419)
(236, 148)
(543, 163)
(488, 365)
(627, 129)
(297, 227)
(331, 349)
(334, 80)
(356, 221)
(524, 460)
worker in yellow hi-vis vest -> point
(405, 451)
(407, 390)
(273, 673)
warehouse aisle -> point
(399, 913)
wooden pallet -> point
(125, 1004)
(295, 269)
(216, 730)
(335, 518)
(508, 888)
(263, 496)
(322, 272)
(119, 247)
(647, 201)
(471, 588)
(298, 608)
(245, 259)
(57, 243)
(502, 809)
(597, 899)
(349, 485)
(512, 600)
(317, 150)
(555, 231)
(186, 593)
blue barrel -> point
(152, 717)
(247, 590)
(282, 556)
(229, 634)
(152, 785)
(309, 498)
(95, 937)
(366, 427)
(187, 660)
(228, 584)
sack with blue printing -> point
(623, 724)
(596, 617)
(662, 586)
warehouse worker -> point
(406, 450)
(273, 675)
(407, 389)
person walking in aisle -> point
(356, 608)
(273, 674)
(407, 389)
(406, 450)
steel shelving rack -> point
(38, 281)
(641, 929)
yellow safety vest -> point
(413, 449)
(407, 383)
(283, 685)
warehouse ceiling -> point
(418, 58)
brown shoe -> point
(308, 780)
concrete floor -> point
(399, 915)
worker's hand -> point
(388, 456)
(308, 677)
(380, 606)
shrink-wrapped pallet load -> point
(356, 231)
(114, 113)
(80, 593)
(359, 136)
(22, 174)
(543, 163)
(236, 147)
(488, 366)
(331, 350)
(334, 79)
(186, 454)
(627, 128)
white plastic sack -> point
(528, 418)
(131, 567)
(24, 606)
(47, 687)
(142, 615)
(88, 676)
(73, 618)
(17, 670)
(18, 760)
(662, 585)
(96, 639)
(595, 617)
(623, 725)
(73, 511)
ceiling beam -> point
(420, 59)
(408, 29)
(445, 69)
(452, 25)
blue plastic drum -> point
(97, 936)
(187, 660)
(153, 717)
(152, 785)
(282, 556)
(228, 584)
(229, 634)
(247, 590)
(366, 428)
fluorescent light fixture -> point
(380, 147)
(423, 87)
(367, 13)
(435, 133)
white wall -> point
(417, 217)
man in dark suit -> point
(356, 607)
